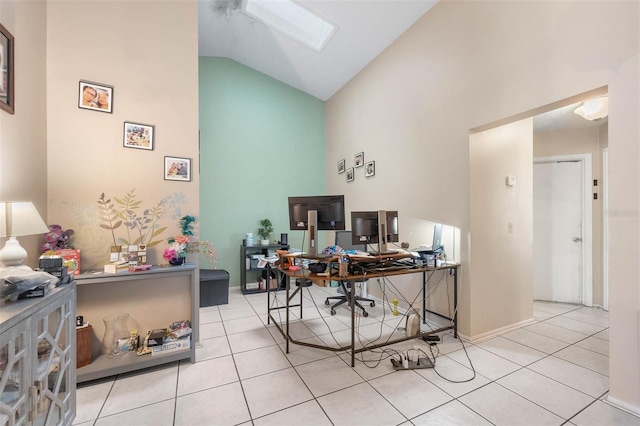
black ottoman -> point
(214, 287)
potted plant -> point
(182, 245)
(265, 230)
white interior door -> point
(557, 231)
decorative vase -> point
(176, 261)
(115, 328)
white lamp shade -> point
(20, 218)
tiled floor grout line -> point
(368, 381)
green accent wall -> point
(261, 141)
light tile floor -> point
(554, 372)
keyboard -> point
(384, 253)
(316, 256)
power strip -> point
(412, 365)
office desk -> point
(320, 279)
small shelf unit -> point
(155, 298)
(249, 272)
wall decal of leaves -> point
(108, 215)
(140, 227)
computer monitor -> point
(314, 213)
(375, 227)
(437, 238)
(345, 241)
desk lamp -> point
(18, 218)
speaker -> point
(284, 239)
(412, 327)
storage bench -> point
(214, 287)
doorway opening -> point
(503, 210)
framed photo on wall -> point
(177, 168)
(359, 159)
(7, 96)
(350, 174)
(370, 169)
(340, 166)
(95, 96)
(138, 136)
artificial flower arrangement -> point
(56, 239)
(182, 245)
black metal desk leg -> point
(287, 314)
(424, 297)
(455, 302)
(352, 304)
(268, 305)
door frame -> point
(605, 229)
(587, 221)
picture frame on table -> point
(359, 159)
(341, 166)
(177, 168)
(350, 174)
(7, 85)
(95, 96)
(138, 136)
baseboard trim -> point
(507, 328)
(624, 406)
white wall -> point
(501, 227)
(148, 51)
(466, 64)
(23, 142)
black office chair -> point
(343, 239)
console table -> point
(305, 274)
(153, 299)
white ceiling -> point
(563, 118)
(365, 29)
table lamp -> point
(18, 218)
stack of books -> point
(177, 339)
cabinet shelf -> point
(103, 366)
(156, 298)
(245, 253)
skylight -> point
(292, 20)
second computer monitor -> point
(374, 227)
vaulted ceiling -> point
(364, 29)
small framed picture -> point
(138, 136)
(340, 166)
(177, 168)
(7, 97)
(359, 159)
(370, 169)
(95, 96)
(350, 174)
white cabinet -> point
(38, 359)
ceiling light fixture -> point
(594, 109)
(292, 20)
